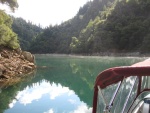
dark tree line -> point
(26, 31)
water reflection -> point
(47, 97)
(60, 85)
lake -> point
(61, 84)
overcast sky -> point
(48, 12)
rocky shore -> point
(15, 63)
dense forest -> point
(100, 26)
(26, 31)
(111, 26)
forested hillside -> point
(124, 27)
(58, 38)
(99, 26)
(26, 32)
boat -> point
(124, 89)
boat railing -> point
(117, 75)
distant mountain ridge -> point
(111, 26)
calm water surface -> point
(61, 84)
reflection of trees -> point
(78, 74)
(8, 93)
(68, 79)
(6, 96)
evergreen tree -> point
(7, 36)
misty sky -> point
(48, 12)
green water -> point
(61, 84)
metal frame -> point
(128, 96)
(115, 75)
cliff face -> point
(15, 63)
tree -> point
(7, 36)
(11, 3)
(74, 44)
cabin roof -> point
(116, 74)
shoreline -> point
(102, 54)
(15, 64)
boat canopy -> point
(118, 74)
